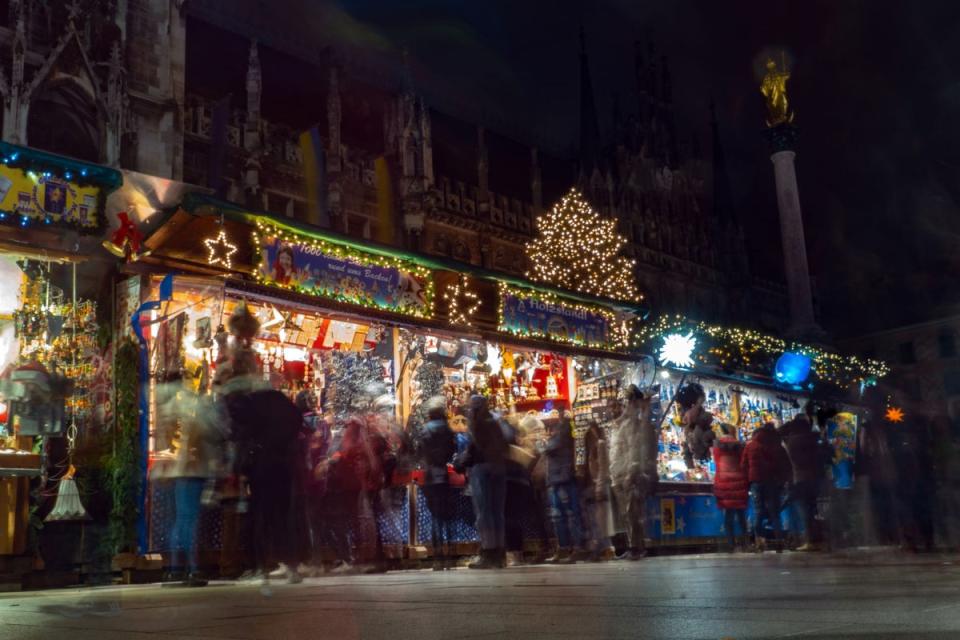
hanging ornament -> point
(127, 241)
(221, 250)
(67, 506)
(894, 414)
(462, 302)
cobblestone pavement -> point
(714, 597)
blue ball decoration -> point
(792, 368)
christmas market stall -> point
(335, 316)
(711, 375)
(54, 381)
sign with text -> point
(529, 313)
(321, 268)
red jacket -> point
(764, 457)
(730, 484)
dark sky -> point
(875, 87)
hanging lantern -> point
(67, 507)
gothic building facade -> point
(208, 92)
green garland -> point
(123, 465)
(735, 349)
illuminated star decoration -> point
(462, 302)
(220, 250)
(894, 414)
(678, 349)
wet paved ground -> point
(867, 597)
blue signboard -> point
(528, 313)
(320, 268)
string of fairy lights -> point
(578, 249)
(352, 295)
(750, 350)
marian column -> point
(782, 135)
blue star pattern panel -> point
(463, 523)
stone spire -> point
(669, 123)
(334, 122)
(251, 124)
(589, 128)
(536, 179)
(483, 162)
(723, 209)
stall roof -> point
(104, 177)
(196, 203)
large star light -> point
(221, 250)
(678, 349)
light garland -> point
(221, 250)
(751, 350)
(462, 302)
(342, 252)
(615, 338)
(578, 249)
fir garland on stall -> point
(123, 465)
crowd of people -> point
(312, 487)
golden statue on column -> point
(774, 89)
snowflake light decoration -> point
(677, 349)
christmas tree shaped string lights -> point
(578, 249)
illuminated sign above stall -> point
(318, 267)
(529, 313)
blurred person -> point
(484, 461)
(562, 493)
(915, 487)
(318, 440)
(521, 503)
(875, 466)
(768, 470)
(195, 466)
(808, 459)
(268, 428)
(731, 486)
(596, 492)
(633, 468)
(945, 456)
(437, 446)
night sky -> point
(875, 89)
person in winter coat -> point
(596, 492)
(730, 484)
(270, 429)
(485, 459)
(768, 470)
(436, 447)
(633, 468)
(562, 488)
(808, 458)
(876, 465)
(197, 464)
(522, 503)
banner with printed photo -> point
(321, 268)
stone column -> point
(782, 141)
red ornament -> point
(127, 241)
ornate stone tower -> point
(782, 135)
